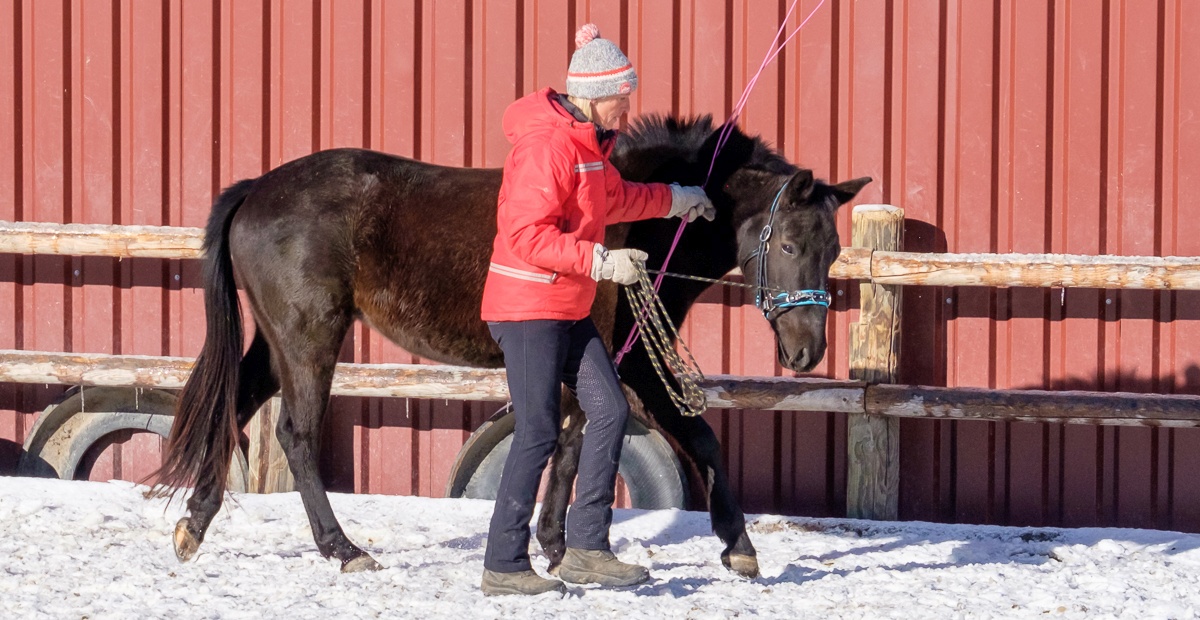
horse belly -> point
(440, 336)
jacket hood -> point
(538, 111)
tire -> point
(62, 435)
(649, 466)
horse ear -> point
(800, 186)
(847, 190)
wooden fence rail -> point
(100, 240)
(880, 267)
(409, 381)
(723, 391)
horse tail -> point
(205, 432)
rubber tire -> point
(65, 431)
(650, 468)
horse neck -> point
(705, 250)
(712, 250)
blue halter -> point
(784, 300)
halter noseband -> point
(782, 301)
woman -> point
(558, 193)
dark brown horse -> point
(404, 246)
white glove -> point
(691, 202)
(620, 266)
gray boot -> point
(599, 566)
(521, 582)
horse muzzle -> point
(803, 359)
(800, 339)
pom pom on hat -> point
(598, 67)
(585, 35)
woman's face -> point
(607, 112)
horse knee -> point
(284, 432)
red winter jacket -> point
(559, 192)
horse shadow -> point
(473, 542)
(1026, 546)
(973, 545)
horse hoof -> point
(360, 564)
(744, 565)
(186, 545)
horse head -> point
(774, 220)
(787, 240)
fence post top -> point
(881, 208)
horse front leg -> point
(729, 522)
(551, 529)
(699, 442)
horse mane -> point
(667, 148)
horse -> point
(404, 246)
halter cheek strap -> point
(782, 301)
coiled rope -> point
(659, 336)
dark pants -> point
(540, 357)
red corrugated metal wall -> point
(1004, 126)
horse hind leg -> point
(306, 368)
(256, 384)
(299, 428)
(551, 529)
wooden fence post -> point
(873, 441)
(269, 472)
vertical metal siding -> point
(1009, 126)
(12, 200)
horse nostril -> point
(802, 359)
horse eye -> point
(788, 249)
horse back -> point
(402, 244)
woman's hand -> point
(620, 266)
(691, 202)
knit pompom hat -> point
(598, 67)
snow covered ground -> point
(99, 550)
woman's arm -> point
(629, 201)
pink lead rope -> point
(726, 131)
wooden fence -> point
(873, 402)
(723, 391)
(855, 263)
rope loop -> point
(660, 336)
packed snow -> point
(101, 550)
